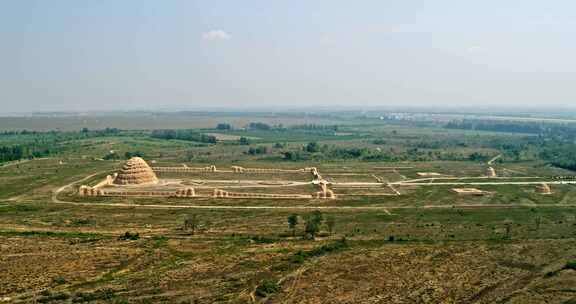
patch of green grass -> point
(103, 294)
(16, 208)
(59, 297)
(159, 240)
(262, 240)
(301, 256)
(570, 265)
(266, 288)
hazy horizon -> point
(149, 55)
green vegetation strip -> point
(63, 234)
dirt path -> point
(22, 161)
(14, 163)
(156, 206)
(494, 159)
(385, 209)
(484, 183)
(431, 182)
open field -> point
(394, 233)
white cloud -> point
(214, 35)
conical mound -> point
(134, 172)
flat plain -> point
(426, 244)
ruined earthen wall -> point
(544, 189)
(211, 168)
(226, 194)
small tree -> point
(189, 155)
(331, 223)
(508, 227)
(244, 141)
(312, 147)
(317, 216)
(292, 222)
(311, 228)
(313, 223)
(191, 223)
(538, 222)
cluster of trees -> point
(312, 147)
(35, 144)
(101, 132)
(559, 153)
(259, 126)
(315, 151)
(18, 152)
(244, 141)
(313, 223)
(563, 132)
(127, 155)
(258, 150)
(554, 143)
(308, 128)
(84, 132)
(512, 147)
(224, 127)
(315, 127)
(558, 146)
(359, 153)
(22, 132)
(295, 155)
(188, 134)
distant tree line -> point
(496, 126)
(224, 126)
(84, 132)
(315, 127)
(261, 126)
(188, 134)
(316, 151)
(563, 130)
(35, 144)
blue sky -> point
(108, 54)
